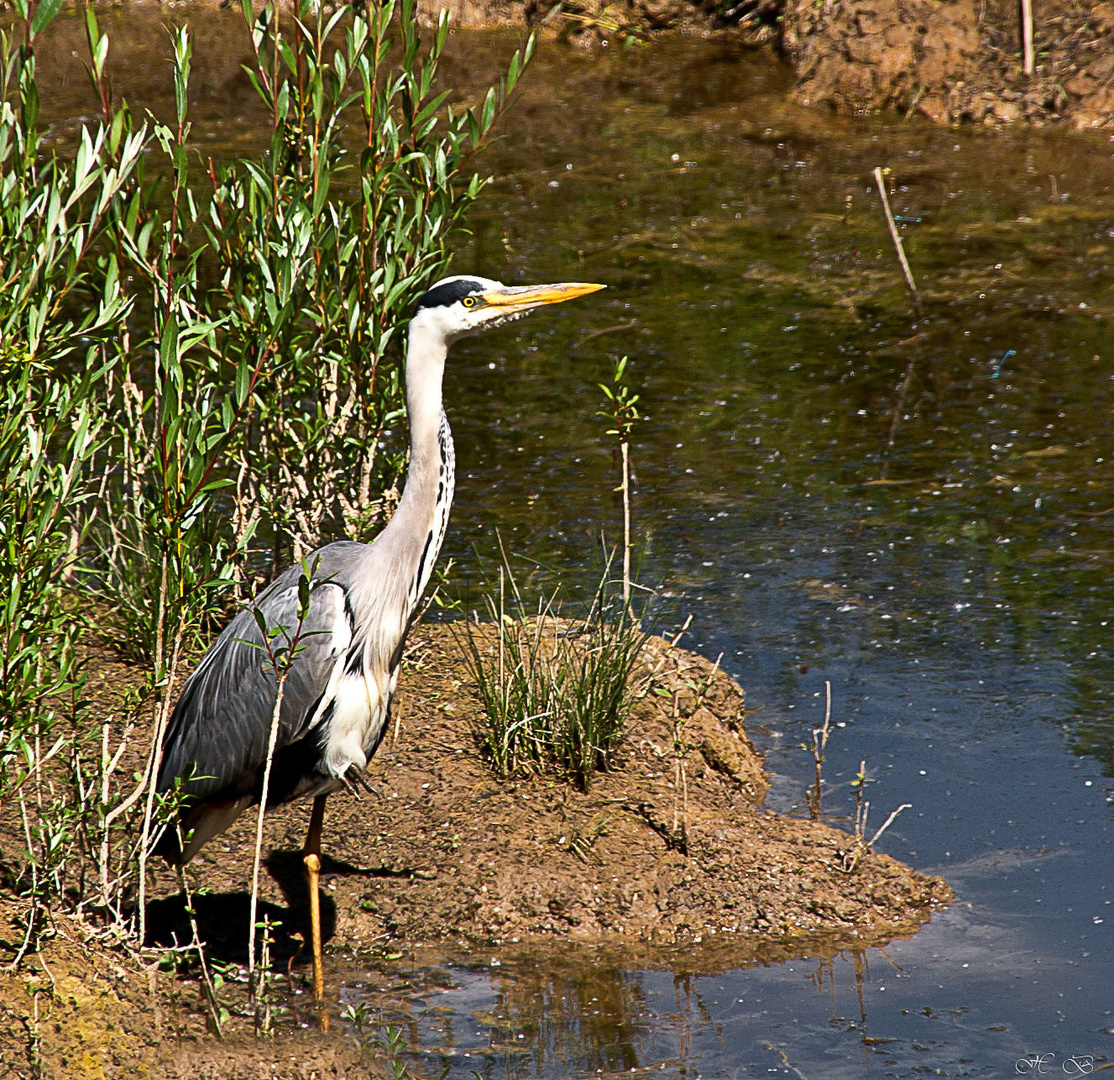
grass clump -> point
(556, 692)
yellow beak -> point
(515, 298)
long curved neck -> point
(418, 524)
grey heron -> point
(337, 693)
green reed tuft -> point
(555, 692)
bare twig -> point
(819, 743)
(33, 911)
(624, 448)
(272, 739)
(1027, 35)
(895, 236)
(208, 988)
(281, 646)
(862, 807)
(889, 821)
(149, 783)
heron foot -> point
(313, 875)
(354, 781)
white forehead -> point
(486, 283)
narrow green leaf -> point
(45, 10)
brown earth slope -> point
(445, 857)
(447, 851)
(947, 60)
(952, 60)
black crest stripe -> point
(448, 292)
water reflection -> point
(591, 1016)
(542, 1015)
(574, 1012)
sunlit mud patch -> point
(953, 62)
(671, 845)
(450, 880)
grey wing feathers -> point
(220, 727)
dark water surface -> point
(921, 513)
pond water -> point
(919, 512)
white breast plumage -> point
(359, 711)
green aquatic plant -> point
(555, 692)
(622, 412)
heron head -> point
(463, 305)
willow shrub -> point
(58, 307)
(323, 241)
(289, 277)
(239, 363)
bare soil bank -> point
(947, 60)
(950, 61)
(447, 851)
(955, 61)
(448, 858)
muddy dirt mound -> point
(671, 845)
(947, 60)
(84, 1007)
(955, 61)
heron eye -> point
(469, 301)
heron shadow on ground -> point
(222, 917)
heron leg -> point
(311, 856)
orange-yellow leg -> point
(311, 856)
